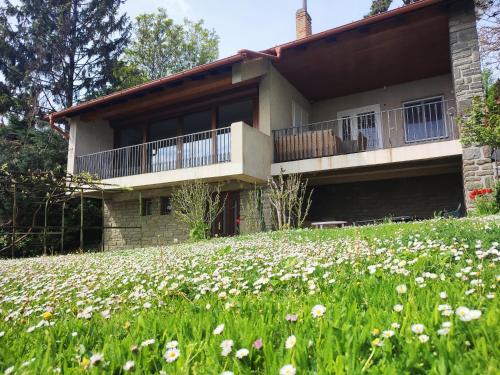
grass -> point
(93, 313)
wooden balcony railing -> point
(191, 150)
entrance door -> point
(227, 223)
(364, 121)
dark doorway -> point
(228, 222)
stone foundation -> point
(478, 169)
(156, 229)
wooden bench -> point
(334, 223)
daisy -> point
(395, 325)
(290, 342)
(96, 358)
(147, 343)
(401, 289)
(171, 354)
(443, 331)
(242, 353)
(218, 330)
(443, 295)
(258, 344)
(318, 311)
(423, 338)
(288, 370)
(172, 344)
(227, 346)
(398, 308)
(128, 366)
(387, 334)
(417, 328)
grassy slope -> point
(295, 270)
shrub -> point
(484, 201)
(197, 205)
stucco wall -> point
(276, 95)
(389, 98)
(87, 138)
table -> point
(321, 224)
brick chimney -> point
(303, 22)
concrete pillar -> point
(466, 69)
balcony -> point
(370, 130)
(219, 154)
(414, 132)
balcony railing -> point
(430, 121)
(191, 150)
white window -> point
(424, 119)
(300, 116)
(364, 121)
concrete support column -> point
(467, 79)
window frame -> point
(147, 208)
(421, 101)
(164, 203)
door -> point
(227, 222)
(364, 121)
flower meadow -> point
(389, 299)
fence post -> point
(140, 216)
(102, 222)
(14, 209)
(62, 226)
(81, 219)
(45, 228)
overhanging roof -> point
(366, 49)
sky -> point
(255, 24)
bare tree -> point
(290, 202)
(488, 12)
(254, 211)
(197, 204)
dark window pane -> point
(424, 120)
(197, 122)
(163, 129)
(129, 136)
(147, 207)
(235, 112)
(166, 206)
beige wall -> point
(87, 138)
(389, 98)
(276, 95)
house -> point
(367, 112)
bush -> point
(485, 201)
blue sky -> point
(255, 24)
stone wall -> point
(466, 68)
(415, 196)
(156, 229)
(246, 200)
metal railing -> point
(431, 121)
(186, 151)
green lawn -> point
(390, 299)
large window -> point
(424, 120)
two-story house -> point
(367, 112)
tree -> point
(480, 123)
(381, 6)
(56, 53)
(489, 32)
(161, 47)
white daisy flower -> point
(318, 311)
(242, 353)
(288, 370)
(290, 342)
(128, 366)
(171, 355)
(417, 328)
(401, 289)
(423, 338)
(218, 330)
